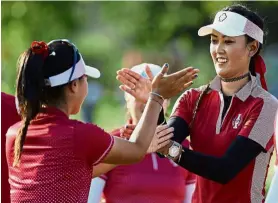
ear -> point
(253, 47)
(73, 86)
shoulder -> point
(266, 99)
(13, 130)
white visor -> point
(80, 69)
(140, 69)
(232, 24)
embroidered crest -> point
(236, 121)
(222, 17)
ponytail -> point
(29, 90)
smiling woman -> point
(231, 120)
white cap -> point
(80, 69)
(140, 69)
(233, 24)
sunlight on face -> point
(229, 54)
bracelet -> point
(154, 93)
(152, 99)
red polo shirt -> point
(57, 159)
(9, 117)
(251, 114)
(153, 180)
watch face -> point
(174, 151)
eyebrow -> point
(217, 36)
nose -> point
(220, 48)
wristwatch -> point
(174, 150)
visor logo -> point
(222, 17)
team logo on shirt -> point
(236, 121)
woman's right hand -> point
(170, 85)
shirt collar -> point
(242, 94)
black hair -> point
(31, 90)
(257, 20)
(254, 18)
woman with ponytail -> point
(52, 158)
(229, 121)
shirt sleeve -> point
(91, 142)
(183, 107)
(259, 125)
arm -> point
(96, 189)
(102, 168)
(222, 169)
(254, 138)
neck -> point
(62, 107)
(230, 88)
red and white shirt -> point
(9, 117)
(152, 180)
(57, 159)
(251, 114)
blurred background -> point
(114, 35)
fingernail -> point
(196, 75)
(166, 65)
(192, 82)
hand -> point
(171, 85)
(161, 138)
(135, 84)
(126, 131)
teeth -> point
(221, 60)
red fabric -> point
(249, 183)
(260, 68)
(152, 180)
(9, 117)
(57, 159)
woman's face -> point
(230, 55)
(80, 94)
(136, 108)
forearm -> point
(225, 168)
(102, 168)
(145, 129)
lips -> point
(221, 60)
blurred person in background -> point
(272, 195)
(151, 180)
(52, 158)
(230, 120)
(9, 116)
(95, 92)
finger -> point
(186, 85)
(187, 77)
(181, 73)
(165, 132)
(126, 79)
(163, 144)
(127, 131)
(127, 90)
(149, 72)
(164, 69)
(126, 135)
(165, 138)
(161, 128)
(130, 126)
(131, 73)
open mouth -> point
(221, 60)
